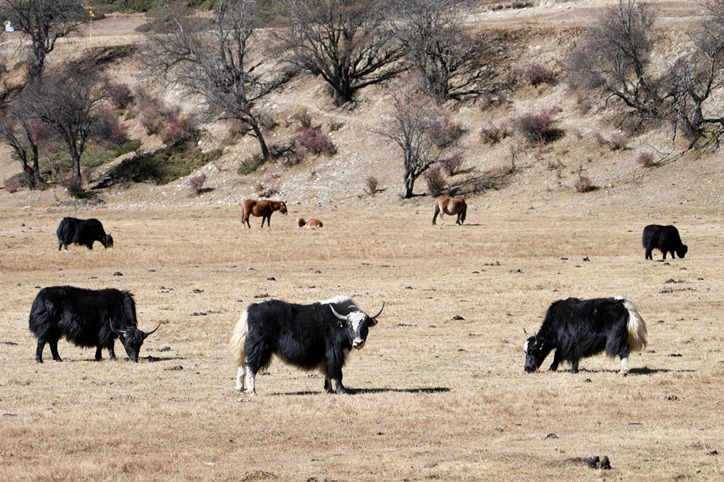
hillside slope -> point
(543, 177)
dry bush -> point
(121, 95)
(539, 128)
(436, 182)
(646, 159)
(617, 142)
(537, 74)
(372, 184)
(315, 141)
(493, 135)
(444, 133)
(196, 183)
(304, 118)
(453, 163)
(583, 184)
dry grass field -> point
(439, 392)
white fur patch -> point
(525, 347)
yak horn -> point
(117, 332)
(379, 312)
(341, 317)
(146, 333)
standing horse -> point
(450, 205)
(263, 209)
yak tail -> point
(238, 338)
(636, 327)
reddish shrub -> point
(196, 183)
(539, 129)
(646, 159)
(315, 141)
(121, 95)
(537, 74)
(178, 129)
(443, 133)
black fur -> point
(84, 318)
(307, 336)
(577, 329)
(664, 238)
(83, 232)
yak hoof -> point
(623, 373)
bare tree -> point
(614, 55)
(346, 42)
(413, 121)
(222, 64)
(23, 131)
(70, 102)
(446, 57)
(44, 22)
(697, 76)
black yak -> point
(664, 238)
(315, 336)
(577, 329)
(83, 232)
(87, 318)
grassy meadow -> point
(439, 391)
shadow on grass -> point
(362, 391)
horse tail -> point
(463, 212)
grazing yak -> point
(577, 329)
(83, 232)
(450, 205)
(311, 224)
(315, 336)
(664, 238)
(87, 318)
(263, 209)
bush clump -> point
(539, 128)
(315, 141)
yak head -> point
(681, 251)
(107, 241)
(357, 324)
(536, 350)
(132, 339)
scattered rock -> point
(551, 436)
(458, 318)
(431, 464)
(117, 273)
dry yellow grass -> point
(440, 391)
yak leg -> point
(624, 366)
(240, 378)
(54, 349)
(99, 356)
(556, 360)
(250, 388)
(574, 368)
(649, 254)
(39, 350)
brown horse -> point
(312, 223)
(450, 205)
(263, 209)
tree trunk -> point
(262, 142)
(408, 183)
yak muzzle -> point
(358, 343)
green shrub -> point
(164, 165)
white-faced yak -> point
(315, 336)
(578, 329)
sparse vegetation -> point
(436, 182)
(539, 128)
(372, 184)
(537, 74)
(583, 184)
(315, 141)
(646, 159)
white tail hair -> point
(636, 326)
(238, 338)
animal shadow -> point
(363, 391)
